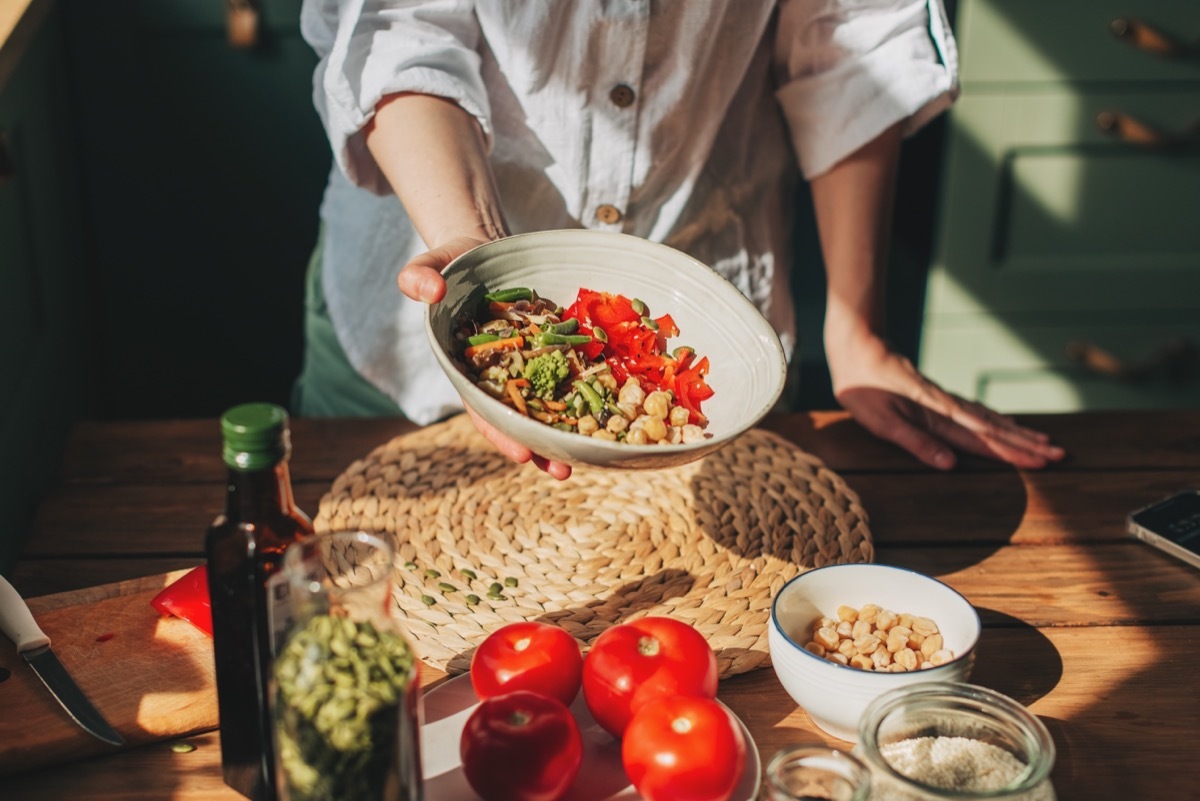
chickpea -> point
(637, 436)
(674, 435)
(657, 404)
(655, 428)
(608, 381)
(678, 417)
(605, 435)
(877, 639)
(632, 393)
(616, 424)
(588, 425)
(690, 433)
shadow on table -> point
(1041, 665)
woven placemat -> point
(710, 542)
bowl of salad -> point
(603, 349)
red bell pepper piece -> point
(187, 598)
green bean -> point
(594, 401)
(565, 327)
(480, 339)
(509, 295)
(550, 338)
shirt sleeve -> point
(850, 69)
(369, 49)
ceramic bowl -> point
(747, 362)
(835, 695)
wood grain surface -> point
(151, 677)
(1098, 634)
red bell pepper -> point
(634, 347)
(187, 598)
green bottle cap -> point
(255, 436)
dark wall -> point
(202, 167)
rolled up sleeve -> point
(369, 49)
(848, 71)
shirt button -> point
(608, 214)
(621, 96)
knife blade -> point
(17, 622)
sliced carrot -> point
(554, 406)
(514, 392)
(518, 382)
(495, 344)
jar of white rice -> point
(949, 740)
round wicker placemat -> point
(710, 542)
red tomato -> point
(528, 656)
(679, 748)
(633, 663)
(521, 746)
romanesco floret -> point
(545, 372)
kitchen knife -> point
(32, 643)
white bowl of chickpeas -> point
(842, 635)
(510, 303)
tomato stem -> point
(681, 725)
(648, 646)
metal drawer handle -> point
(1133, 131)
(1145, 36)
(1176, 358)
(8, 167)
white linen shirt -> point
(715, 102)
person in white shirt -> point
(454, 123)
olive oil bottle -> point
(244, 550)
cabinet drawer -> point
(1015, 41)
(1018, 366)
(1042, 211)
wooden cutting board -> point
(152, 677)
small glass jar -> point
(345, 690)
(812, 772)
(949, 740)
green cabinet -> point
(1065, 228)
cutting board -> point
(152, 677)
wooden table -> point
(1098, 634)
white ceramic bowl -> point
(835, 695)
(747, 364)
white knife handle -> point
(17, 621)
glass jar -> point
(950, 740)
(811, 772)
(345, 690)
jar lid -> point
(255, 436)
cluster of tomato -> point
(651, 683)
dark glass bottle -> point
(244, 549)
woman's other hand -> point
(889, 397)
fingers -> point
(1003, 435)
(515, 450)
(422, 282)
(421, 279)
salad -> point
(599, 368)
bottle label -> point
(279, 609)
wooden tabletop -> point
(1098, 634)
